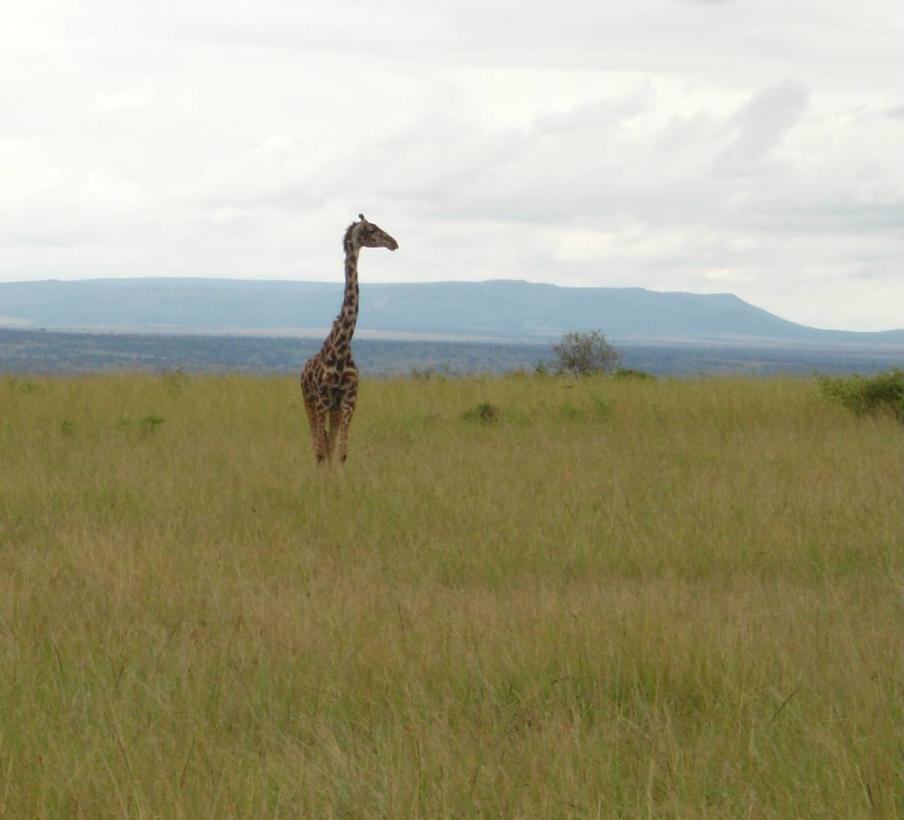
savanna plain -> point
(523, 596)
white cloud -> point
(752, 147)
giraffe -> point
(329, 379)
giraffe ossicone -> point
(329, 379)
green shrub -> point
(584, 353)
(882, 393)
(484, 412)
(151, 422)
(627, 373)
(430, 372)
(602, 407)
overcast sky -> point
(750, 146)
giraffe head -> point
(367, 234)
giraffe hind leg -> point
(321, 449)
(345, 420)
(335, 424)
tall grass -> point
(612, 598)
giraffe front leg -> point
(345, 420)
(349, 399)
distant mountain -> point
(500, 310)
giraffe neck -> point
(340, 337)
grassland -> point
(620, 599)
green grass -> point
(621, 598)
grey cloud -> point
(597, 114)
(876, 275)
(760, 126)
(896, 113)
(660, 178)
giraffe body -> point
(329, 379)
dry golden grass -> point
(621, 599)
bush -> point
(875, 394)
(151, 422)
(639, 375)
(585, 353)
(483, 412)
(430, 372)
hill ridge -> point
(498, 309)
